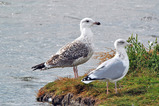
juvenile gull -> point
(113, 69)
(75, 53)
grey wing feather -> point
(111, 69)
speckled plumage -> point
(68, 55)
(75, 53)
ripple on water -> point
(3, 3)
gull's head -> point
(88, 22)
(120, 43)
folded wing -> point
(111, 69)
(68, 54)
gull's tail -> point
(39, 66)
(86, 80)
(89, 78)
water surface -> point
(32, 30)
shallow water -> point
(32, 30)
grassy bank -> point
(139, 87)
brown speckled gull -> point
(75, 53)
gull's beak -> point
(96, 23)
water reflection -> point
(26, 78)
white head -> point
(87, 23)
(120, 43)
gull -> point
(75, 53)
(113, 69)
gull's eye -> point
(87, 21)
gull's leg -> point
(107, 88)
(74, 70)
(116, 88)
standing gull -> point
(113, 69)
(75, 53)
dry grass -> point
(136, 88)
(103, 56)
(139, 87)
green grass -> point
(139, 87)
(142, 57)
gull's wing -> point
(111, 69)
(68, 54)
